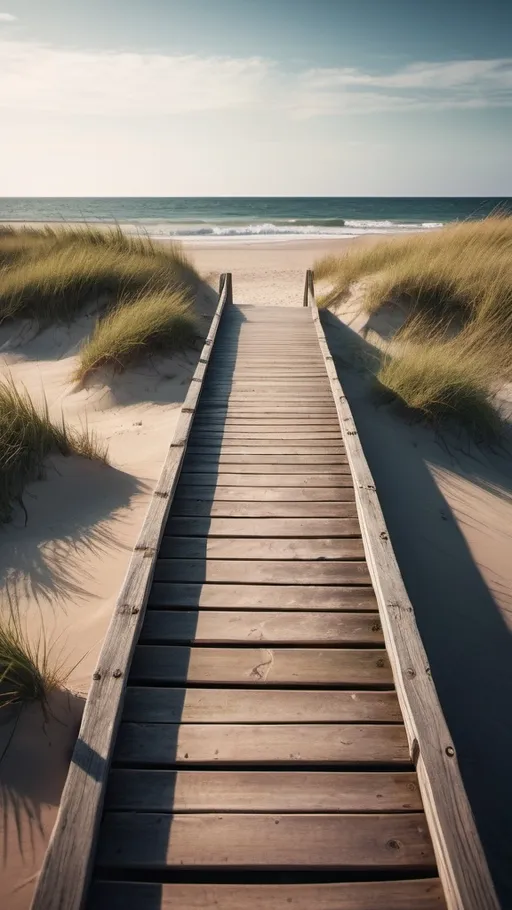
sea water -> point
(253, 218)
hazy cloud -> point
(7, 17)
(41, 77)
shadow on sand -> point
(463, 628)
(35, 749)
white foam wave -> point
(262, 230)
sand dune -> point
(449, 513)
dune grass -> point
(455, 347)
(151, 322)
(27, 437)
(28, 671)
(446, 379)
(465, 267)
(49, 274)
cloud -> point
(35, 76)
(7, 17)
(451, 84)
(44, 78)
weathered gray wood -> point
(67, 864)
(285, 450)
(237, 437)
(217, 457)
(261, 666)
(227, 479)
(309, 290)
(246, 596)
(234, 548)
(461, 861)
(258, 706)
(264, 425)
(263, 527)
(255, 510)
(204, 465)
(278, 791)
(263, 571)
(219, 492)
(140, 840)
(262, 744)
(166, 627)
(416, 894)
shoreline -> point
(280, 236)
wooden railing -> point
(64, 877)
(461, 861)
(309, 289)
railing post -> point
(225, 281)
(309, 289)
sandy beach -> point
(449, 512)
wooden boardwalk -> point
(261, 758)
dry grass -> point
(28, 672)
(455, 347)
(49, 274)
(27, 437)
(153, 321)
(446, 379)
(465, 267)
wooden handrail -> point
(309, 289)
(461, 861)
(64, 878)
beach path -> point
(261, 758)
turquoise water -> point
(257, 217)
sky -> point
(255, 97)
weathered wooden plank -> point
(238, 437)
(141, 840)
(241, 706)
(254, 510)
(279, 548)
(220, 457)
(277, 791)
(307, 383)
(248, 425)
(204, 465)
(266, 396)
(245, 596)
(226, 479)
(261, 666)
(263, 571)
(261, 744)
(258, 411)
(414, 894)
(210, 492)
(460, 857)
(66, 869)
(166, 627)
(286, 450)
(263, 527)
(265, 424)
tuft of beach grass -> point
(29, 671)
(455, 286)
(49, 274)
(152, 321)
(27, 437)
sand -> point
(448, 507)
(62, 564)
(449, 514)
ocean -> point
(256, 218)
